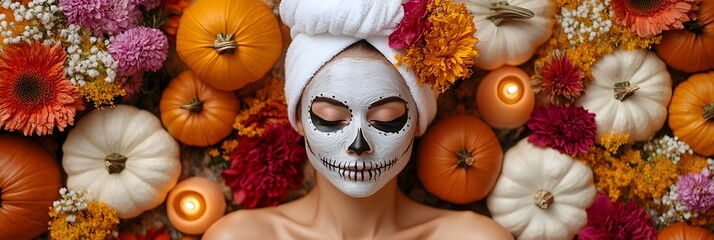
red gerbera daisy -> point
(40, 96)
(651, 17)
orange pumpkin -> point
(690, 49)
(691, 112)
(682, 231)
(196, 113)
(29, 183)
(459, 159)
(229, 43)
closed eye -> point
(388, 115)
(329, 115)
(392, 126)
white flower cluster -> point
(590, 10)
(43, 22)
(83, 65)
(71, 202)
(39, 18)
(676, 212)
(667, 146)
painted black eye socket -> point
(323, 125)
(392, 126)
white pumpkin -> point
(510, 31)
(629, 94)
(541, 193)
(124, 157)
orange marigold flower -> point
(40, 97)
(651, 17)
(447, 51)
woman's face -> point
(359, 122)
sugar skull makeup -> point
(359, 120)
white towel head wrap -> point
(321, 29)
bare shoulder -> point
(470, 225)
(242, 224)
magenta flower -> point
(262, 169)
(696, 190)
(139, 49)
(568, 129)
(102, 16)
(412, 26)
(614, 221)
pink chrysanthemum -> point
(651, 17)
(696, 191)
(614, 221)
(139, 49)
(562, 81)
(37, 97)
(262, 169)
(102, 16)
(568, 129)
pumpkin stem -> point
(543, 199)
(709, 112)
(624, 90)
(464, 158)
(195, 105)
(694, 26)
(502, 11)
(114, 163)
(225, 43)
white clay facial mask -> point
(359, 120)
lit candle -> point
(505, 98)
(192, 205)
(195, 204)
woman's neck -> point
(348, 217)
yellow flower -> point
(273, 91)
(654, 178)
(213, 152)
(690, 163)
(613, 174)
(229, 145)
(612, 142)
(101, 93)
(446, 52)
(98, 221)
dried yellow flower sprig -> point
(620, 170)
(75, 216)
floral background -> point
(94, 55)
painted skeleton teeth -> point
(358, 174)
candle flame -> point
(189, 205)
(512, 89)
